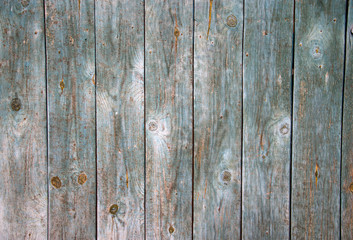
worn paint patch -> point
(209, 18)
(62, 85)
(316, 174)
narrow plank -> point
(347, 136)
(23, 148)
(120, 118)
(218, 119)
(267, 73)
(318, 78)
(71, 109)
(168, 95)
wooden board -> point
(267, 58)
(168, 92)
(23, 148)
(120, 118)
(218, 117)
(71, 109)
(347, 137)
(318, 78)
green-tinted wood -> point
(168, 90)
(318, 78)
(120, 118)
(267, 58)
(218, 113)
(71, 108)
(23, 167)
(347, 137)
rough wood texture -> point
(318, 78)
(23, 181)
(267, 118)
(218, 117)
(71, 106)
(168, 90)
(347, 137)
(120, 118)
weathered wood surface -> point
(23, 167)
(318, 79)
(168, 96)
(188, 114)
(120, 118)
(71, 108)
(218, 117)
(347, 137)
(267, 57)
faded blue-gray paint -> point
(192, 125)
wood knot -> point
(171, 229)
(351, 188)
(284, 129)
(113, 209)
(232, 21)
(152, 126)
(226, 177)
(56, 182)
(176, 32)
(16, 104)
(82, 178)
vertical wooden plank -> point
(347, 136)
(120, 118)
(71, 106)
(168, 89)
(318, 78)
(23, 164)
(267, 118)
(218, 119)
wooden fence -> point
(176, 119)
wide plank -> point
(23, 144)
(267, 104)
(71, 109)
(120, 118)
(218, 119)
(347, 136)
(168, 110)
(318, 79)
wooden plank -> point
(71, 106)
(218, 119)
(23, 167)
(120, 118)
(347, 136)
(318, 78)
(168, 93)
(267, 58)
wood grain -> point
(120, 118)
(347, 137)
(318, 78)
(267, 57)
(71, 106)
(218, 118)
(23, 148)
(168, 92)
